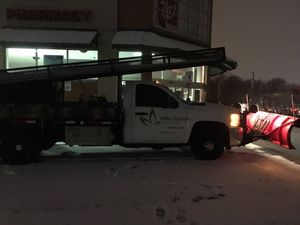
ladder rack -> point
(113, 67)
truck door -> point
(157, 117)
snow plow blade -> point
(273, 127)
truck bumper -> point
(236, 135)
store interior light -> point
(137, 54)
(21, 51)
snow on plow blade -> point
(273, 127)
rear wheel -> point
(19, 148)
(207, 146)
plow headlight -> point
(234, 120)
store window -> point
(22, 57)
(126, 54)
(187, 83)
(51, 56)
(80, 56)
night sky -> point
(263, 36)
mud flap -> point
(273, 127)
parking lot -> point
(253, 185)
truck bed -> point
(63, 111)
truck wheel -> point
(208, 147)
(19, 149)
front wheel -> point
(18, 148)
(207, 147)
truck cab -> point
(155, 116)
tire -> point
(19, 149)
(207, 147)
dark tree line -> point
(230, 89)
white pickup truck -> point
(148, 114)
(154, 115)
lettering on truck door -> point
(157, 116)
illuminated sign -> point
(49, 15)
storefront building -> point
(39, 32)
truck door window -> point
(151, 96)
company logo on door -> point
(151, 120)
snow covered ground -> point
(252, 185)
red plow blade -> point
(273, 127)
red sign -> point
(48, 15)
(168, 13)
(277, 128)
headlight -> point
(234, 120)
